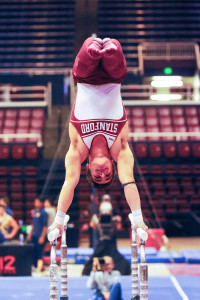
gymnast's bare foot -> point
(109, 48)
(95, 49)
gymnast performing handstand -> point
(98, 127)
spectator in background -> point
(38, 234)
(8, 209)
(104, 280)
(51, 211)
(8, 225)
(106, 210)
(106, 225)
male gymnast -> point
(98, 127)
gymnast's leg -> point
(113, 60)
(88, 59)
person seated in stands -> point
(104, 280)
(8, 225)
(106, 225)
(38, 234)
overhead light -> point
(166, 97)
(166, 77)
(167, 81)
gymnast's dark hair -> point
(100, 185)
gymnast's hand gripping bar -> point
(52, 236)
(142, 234)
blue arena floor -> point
(31, 288)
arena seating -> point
(135, 22)
(164, 119)
(37, 35)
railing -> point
(177, 135)
(26, 96)
(167, 51)
(143, 92)
(8, 137)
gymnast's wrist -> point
(137, 217)
(60, 216)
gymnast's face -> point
(101, 169)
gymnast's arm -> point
(125, 166)
(72, 176)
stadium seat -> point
(23, 123)
(155, 150)
(31, 185)
(16, 196)
(7, 131)
(167, 129)
(16, 171)
(186, 181)
(171, 181)
(167, 199)
(164, 112)
(178, 121)
(137, 112)
(184, 150)
(2, 114)
(4, 152)
(194, 129)
(30, 171)
(10, 124)
(170, 169)
(150, 112)
(185, 207)
(156, 169)
(138, 130)
(188, 190)
(128, 112)
(177, 111)
(140, 150)
(190, 111)
(21, 139)
(24, 113)
(137, 122)
(32, 152)
(174, 190)
(181, 199)
(37, 123)
(3, 171)
(181, 129)
(38, 113)
(17, 151)
(151, 121)
(192, 121)
(196, 169)
(165, 121)
(16, 204)
(169, 150)
(11, 113)
(157, 182)
(196, 150)
(142, 169)
(171, 208)
(34, 130)
(184, 169)
(3, 186)
(30, 196)
(16, 185)
(153, 137)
